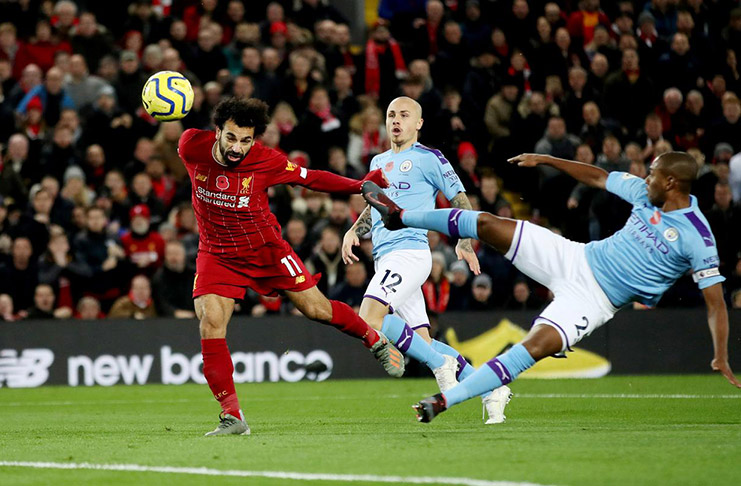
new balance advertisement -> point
(106, 353)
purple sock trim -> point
(369, 296)
(453, 223)
(405, 340)
(463, 363)
(565, 336)
(500, 370)
(519, 238)
(427, 325)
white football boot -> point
(445, 374)
(494, 404)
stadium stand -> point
(93, 195)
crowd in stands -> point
(95, 212)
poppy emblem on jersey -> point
(246, 185)
(656, 218)
(671, 234)
(201, 177)
(222, 182)
(389, 166)
(406, 166)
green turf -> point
(367, 427)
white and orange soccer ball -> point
(167, 96)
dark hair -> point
(245, 113)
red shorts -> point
(232, 276)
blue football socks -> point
(457, 223)
(495, 373)
(464, 369)
(410, 343)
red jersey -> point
(231, 204)
(147, 253)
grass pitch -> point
(615, 430)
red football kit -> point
(240, 239)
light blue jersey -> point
(654, 249)
(415, 176)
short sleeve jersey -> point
(231, 204)
(654, 248)
(415, 176)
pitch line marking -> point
(412, 396)
(204, 471)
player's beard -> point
(225, 153)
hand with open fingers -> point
(350, 240)
(725, 369)
(525, 160)
(469, 256)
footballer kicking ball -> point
(167, 96)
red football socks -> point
(218, 369)
(347, 321)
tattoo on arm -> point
(461, 201)
(364, 222)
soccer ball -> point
(167, 96)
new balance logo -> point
(30, 369)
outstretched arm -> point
(352, 237)
(323, 181)
(718, 322)
(463, 249)
(588, 174)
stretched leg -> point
(459, 223)
(398, 331)
(214, 313)
(541, 341)
(314, 305)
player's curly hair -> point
(245, 113)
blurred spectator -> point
(327, 260)
(467, 161)
(81, 86)
(173, 284)
(582, 22)
(557, 142)
(338, 164)
(460, 287)
(734, 178)
(7, 312)
(142, 193)
(368, 138)
(103, 255)
(491, 200)
(481, 293)
(725, 223)
(137, 304)
(320, 128)
(53, 97)
(352, 289)
(523, 298)
(144, 247)
(34, 225)
(595, 128)
(58, 268)
(58, 154)
(342, 94)
(436, 288)
(384, 64)
(44, 305)
(629, 84)
(91, 40)
(19, 275)
(88, 309)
